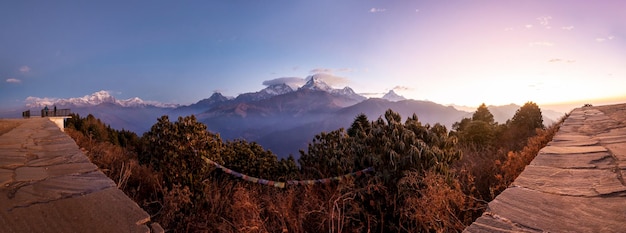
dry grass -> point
(7, 125)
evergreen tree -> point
(179, 150)
(483, 114)
(524, 123)
(480, 130)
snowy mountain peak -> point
(215, 98)
(392, 96)
(218, 96)
(277, 89)
(266, 93)
(94, 99)
(315, 83)
(346, 91)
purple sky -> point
(450, 52)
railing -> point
(26, 114)
(55, 112)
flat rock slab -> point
(601, 160)
(524, 210)
(575, 184)
(571, 182)
(108, 210)
(571, 149)
(49, 185)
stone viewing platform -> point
(575, 184)
(48, 185)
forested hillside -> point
(383, 175)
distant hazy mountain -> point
(136, 119)
(503, 113)
(215, 100)
(392, 96)
(252, 119)
(290, 140)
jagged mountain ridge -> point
(94, 99)
(278, 117)
(315, 83)
(253, 119)
(266, 93)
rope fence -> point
(280, 184)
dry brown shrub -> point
(139, 182)
(431, 203)
(477, 169)
(245, 211)
(282, 210)
(174, 201)
(6, 125)
(515, 162)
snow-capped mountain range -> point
(314, 82)
(280, 117)
(94, 99)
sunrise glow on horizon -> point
(462, 53)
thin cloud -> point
(24, 69)
(569, 28)
(330, 79)
(321, 70)
(528, 26)
(219, 91)
(330, 70)
(401, 88)
(13, 80)
(377, 10)
(603, 39)
(290, 81)
(540, 43)
(371, 93)
(508, 29)
(561, 60)
(545, 21)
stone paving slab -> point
(575, 184)
(524, 210)
(49, 185)
(572, 182)
(108, 210)
(600, 160)
(571, 149)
